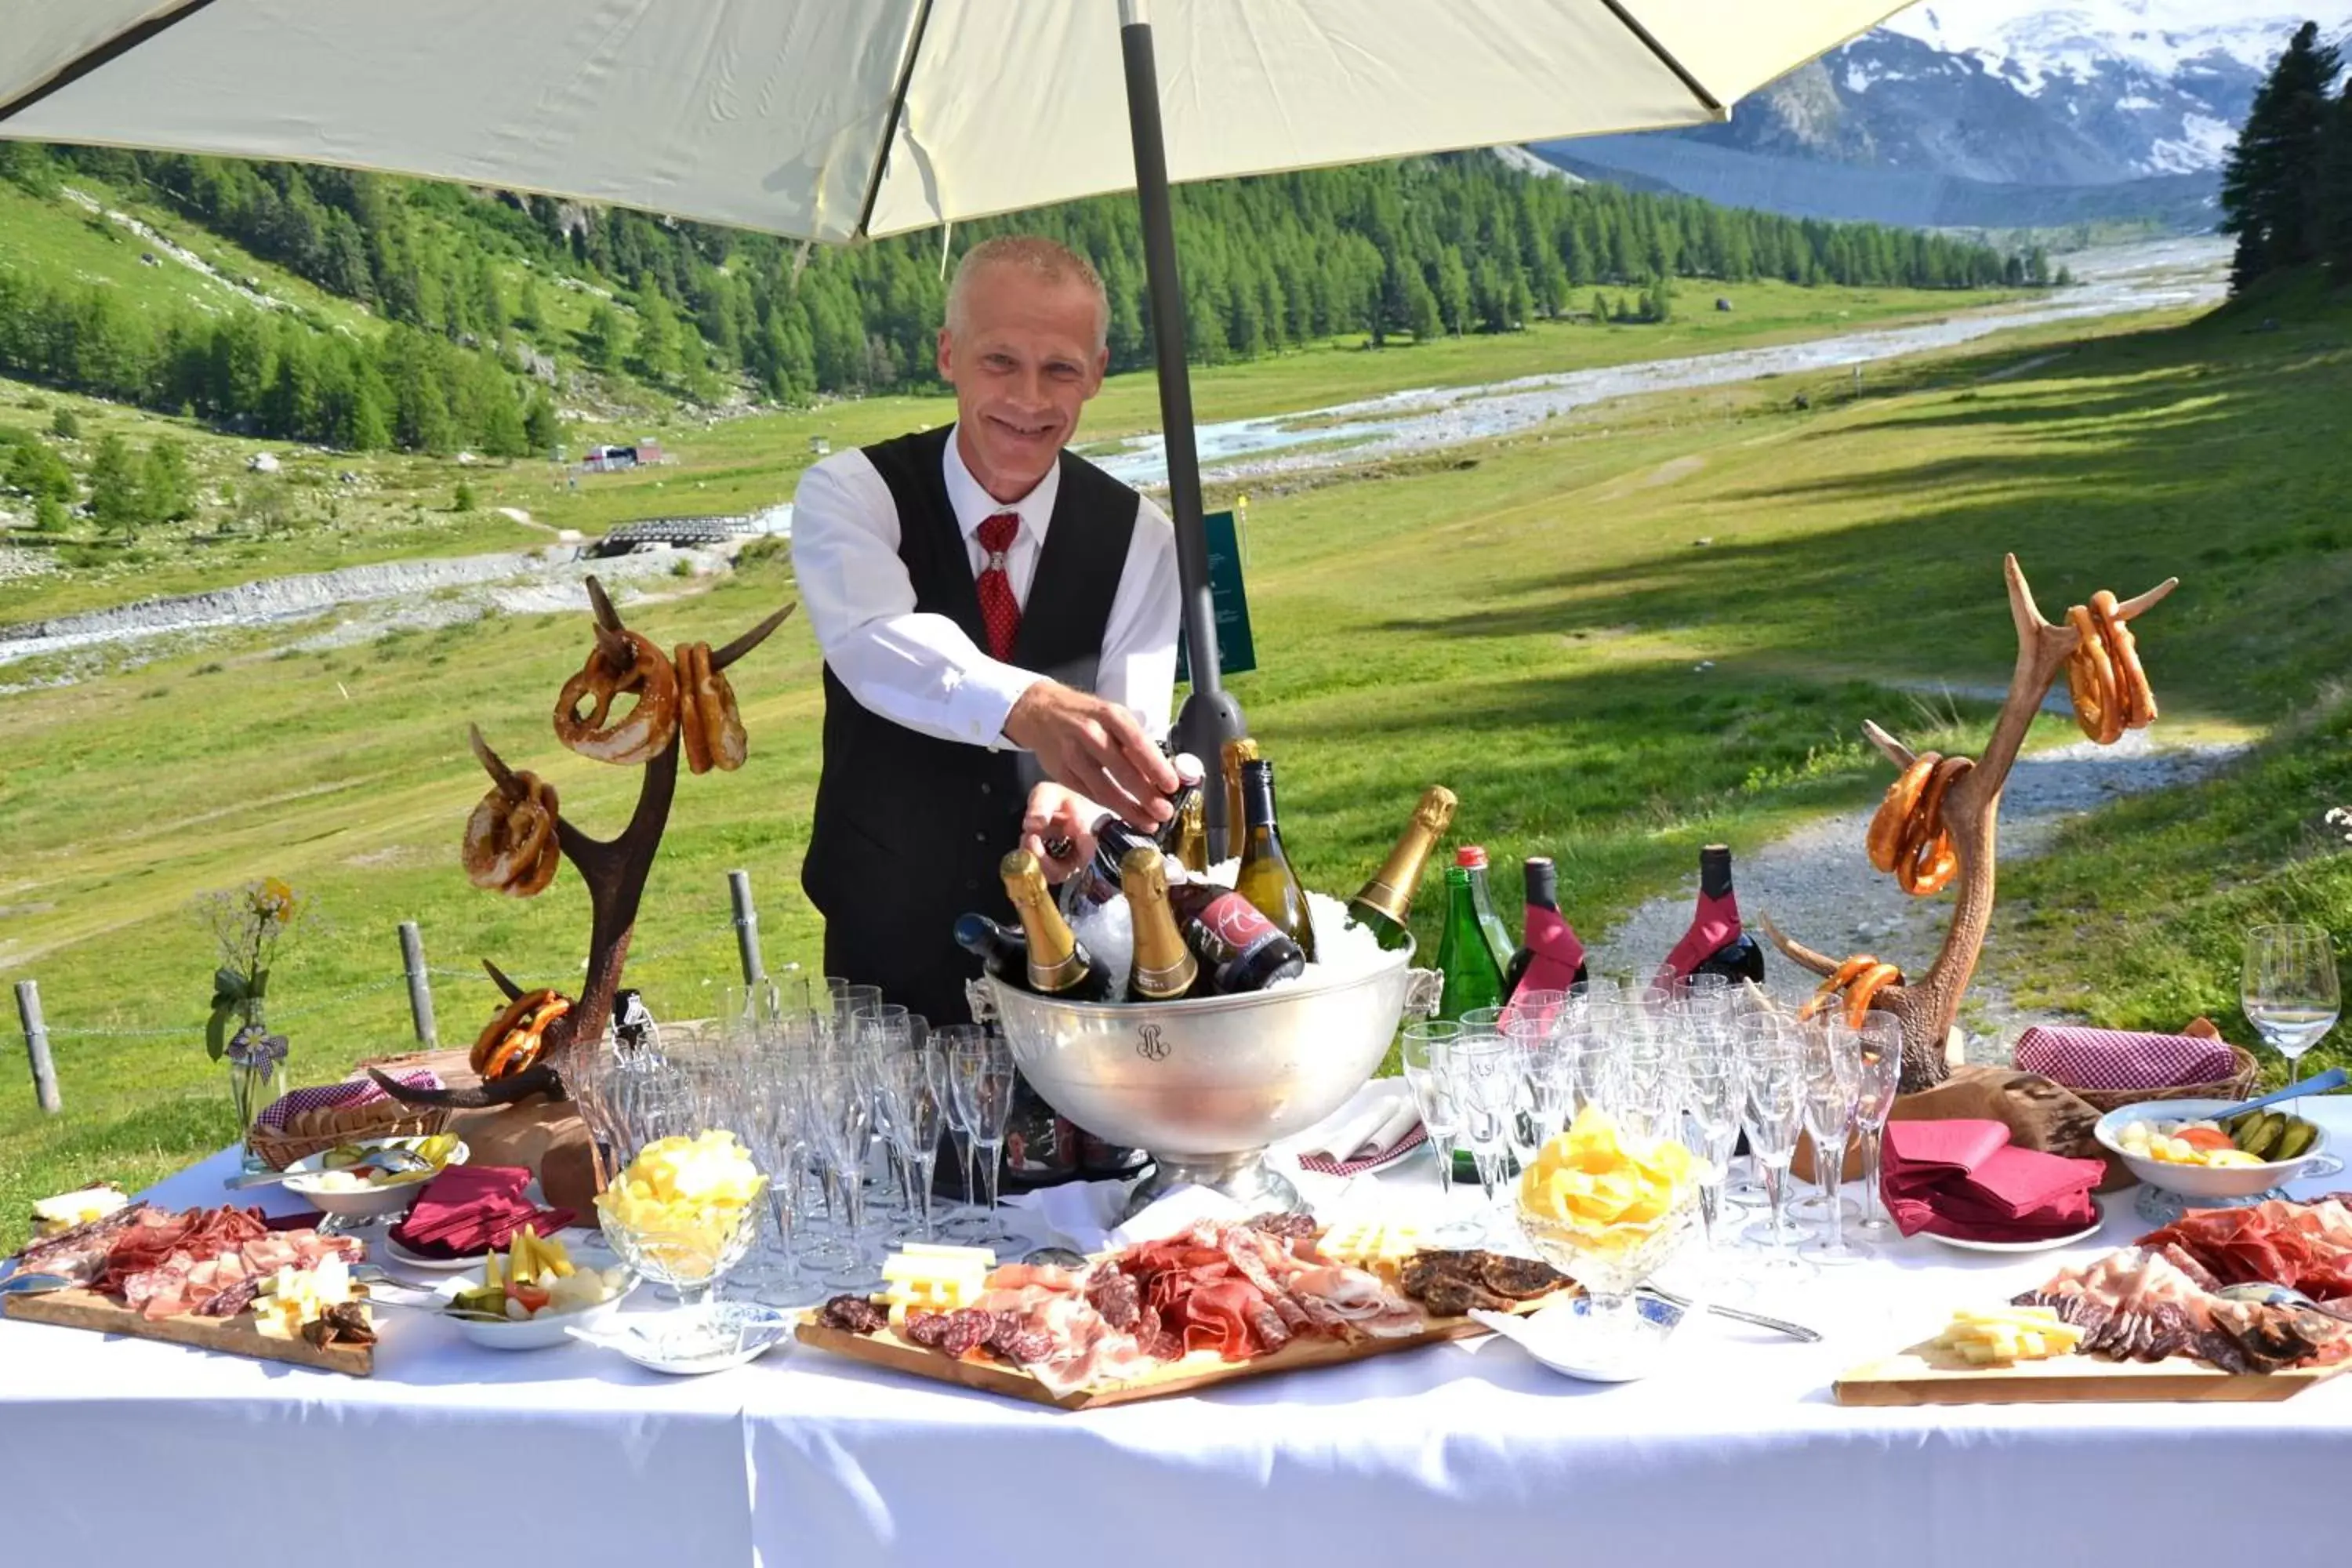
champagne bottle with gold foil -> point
(1191, 845)
(1164, 967)
(1384, 904)
(1059, 965)
(1236, 753)
(1266, 879)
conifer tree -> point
(2270, 184)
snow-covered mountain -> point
(2158, 85)
(1986, 112)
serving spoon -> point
(2334, 1078)
(392, 1160)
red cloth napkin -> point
(468, 1210)
(1964, 1179)
(2123, 1059)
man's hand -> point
(1064, 819)
(1095, 748)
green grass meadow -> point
(1654, 624)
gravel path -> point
(1818, 887)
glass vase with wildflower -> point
(251, 925)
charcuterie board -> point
(1924, 1374)
(230, 1336)
(1203, 1369)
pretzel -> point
(1894, 815)
(707, 722)
(2103, 676)
(510, 841)
(647, 676)
(1928, 861)
(1859, 979)
(1907, 836)
(515, 1038)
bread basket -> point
(307, 1121)
(2239, 1084)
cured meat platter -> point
(1200, 1370)
(1925, 1375)
(80, 1309)
(1212, 1306)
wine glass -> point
(1713, 1090)
(1833, 1079)
(1772, 1064)
(2289, 991)
(969, 1223)
(1487, 1084)
(982, 1077)
(841, 1109)
(1878, 1046)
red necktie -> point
(1000, 612)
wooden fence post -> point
(747, 926)
(420, 985)
(37, 1046)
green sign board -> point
(1235, 651)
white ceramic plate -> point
(639, 1338)
(1556, 1337)
(538, 1333)
(407, 1259)
(2051, 1244)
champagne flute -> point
(2288, 989)
(1775, 1075)
(982, 1077)
(1879, 1042)
(1832, 1057)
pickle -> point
(2299, 1136)
(2264, 1138)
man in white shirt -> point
(998, 622)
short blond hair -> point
(1045, 260)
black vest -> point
(909, 828)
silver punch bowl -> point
(1206, 1084)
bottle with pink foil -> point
(1550, 955)
(1715, 942)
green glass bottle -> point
(1266, 879)
(1472, 859)
(1473, 978)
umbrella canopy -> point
(830, 119)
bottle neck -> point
(1715, 871)
(1053, 945)
(1257, 797)
(1543, 885)
(1461, 898)
(1164, 966)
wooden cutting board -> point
(230, 1336)
(1925, 1375)
(1203, 1369)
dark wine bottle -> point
(1384, 904)
(1058, 964)
(1164, 967)
(1715, 943)
(1550, 957)
(1004, 950)
(1266, 879)
(1239, 949)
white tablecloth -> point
(126, 1451)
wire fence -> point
(417, 978)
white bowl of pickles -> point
(532, 1295)
(350, 1182)
(2176, 1145)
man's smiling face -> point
(1022, 359)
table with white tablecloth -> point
(118, 1450)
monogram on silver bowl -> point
(1205, 1085)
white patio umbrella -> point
(841, 120)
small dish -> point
(373, 1201)
(644, 1339)
(2212, 1182)
(1560, 1337)
(2049, 1243)
(407, 1259)
(546, 1329)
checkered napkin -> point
(2121, 1059)
(360, 1091)
(1385, 1125)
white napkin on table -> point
(1374, 1124)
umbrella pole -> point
(1210, 716)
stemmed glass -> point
(1773, 1067)
(969, 1223)
(1486, 1072)
(911, 1086)
(1428, 1050)
(1833, 1074)
(980, 1077)
(1878, 1046)
(841, 1112)
(2289, 991)
(1714, 1093)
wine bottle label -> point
(1229, 934)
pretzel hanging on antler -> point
(505, 847)
(1915, 828)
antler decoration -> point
(1971, 808)
(614, 869)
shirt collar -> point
(974, 506)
